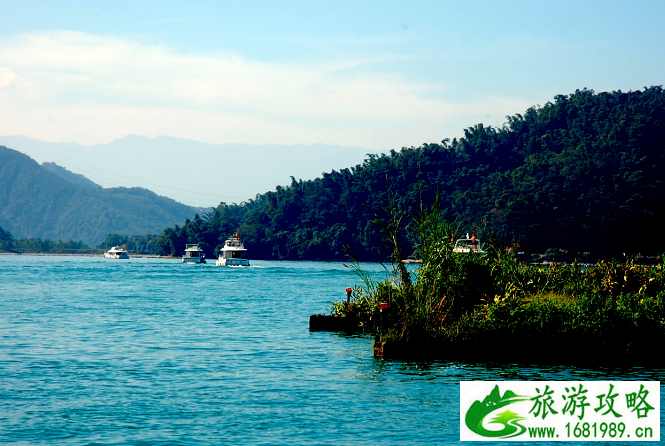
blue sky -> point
(376, 75)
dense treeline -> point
(209, 232)
(583, 173)
(138, 244)
(6, 240)
(51, 246)
(9, 244)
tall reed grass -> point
(491, 307)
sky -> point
(377, 75)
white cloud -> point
(7, 77)
(92, 89)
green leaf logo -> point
(494, 401)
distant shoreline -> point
(151, 256)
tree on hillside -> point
(6, 240)
(582, 173)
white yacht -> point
(233, 253)
(193, 254)
(116, 253)
(468, 244)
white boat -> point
(233, 253)
(468, 244)
(116, 253)
(193, 254)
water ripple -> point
(154, 352)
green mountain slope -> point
(70, 176)
(583, 173)
(34, 202)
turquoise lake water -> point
(96, 351)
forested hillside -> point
(70, 176)
(583, 173)
(36, 203)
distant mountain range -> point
(191, 172)
(47, 201)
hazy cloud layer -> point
(73, 86)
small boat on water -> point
(233, 253)
(193, 254)
(116, 253)
(468, 244)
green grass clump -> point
(493, 308)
